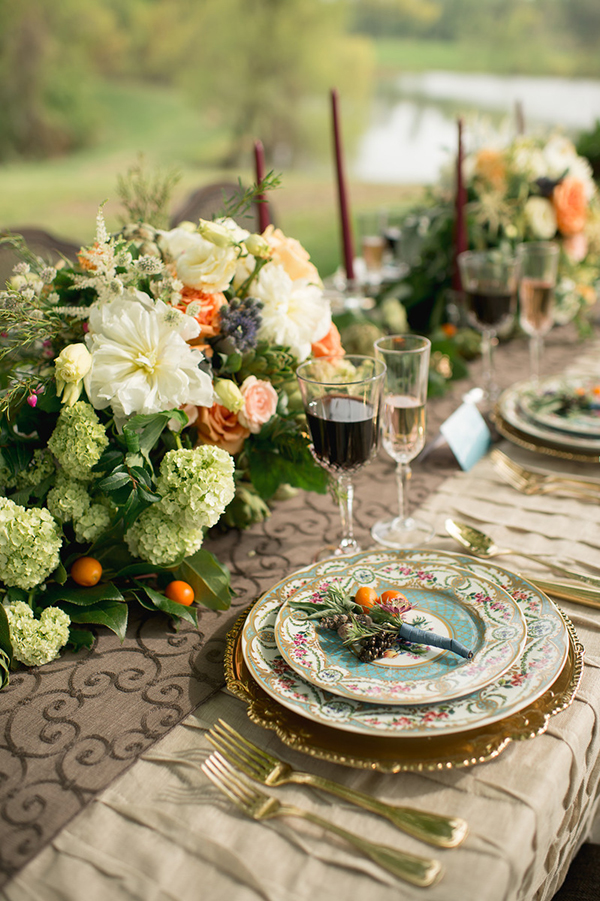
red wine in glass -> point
(489, 306)
(344, 431)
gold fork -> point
(436, 829)
(537, 483)
(419, 871)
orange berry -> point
(366, 597)
(393, 597)
(86, 571)
(180, 592)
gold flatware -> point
(436, 829)
(529, 482)
(421, 871)
(575, 593)
(481, 545)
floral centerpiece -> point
(528, 189)
(148, 393)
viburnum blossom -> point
(29, 544)
(294, 313)
(141, 362)
(35, 642)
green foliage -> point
(279, 455)
(208, 577)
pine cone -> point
(334, 621)
(374, 646)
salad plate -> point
(451, 602)
(542, 659)
(510, 410)
(563, 404)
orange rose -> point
(290, 254)
(490, 166)
(570, 205)
(330, 345)
(206, 312)
(219, 426)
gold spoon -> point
(481, 545)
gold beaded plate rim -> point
(403, 754)
(537, 446)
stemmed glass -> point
(403, 429)
(489, 283)
(342, 402)
(538, 268)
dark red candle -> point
(347, 242)
(461, 240)
(263, 206)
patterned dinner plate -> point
(451, 602)
(541, 662)
(509, 408)
(551, 402)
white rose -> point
(177, 241)
(540, 217)
(294, 314)
(71, 366)
(207, 267)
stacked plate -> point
(558, 416)
(417, 707)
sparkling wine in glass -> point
(403, 429)
(489, 283)
(342, 401)
(538, 268)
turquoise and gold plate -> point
(451, 602)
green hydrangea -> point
(78, 440)
(196, 485)
(41, 466)
(159, 539)
(92, 523)
(34, 641)
(69, 499)
(29, 544)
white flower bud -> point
(258, 246)
(71, 366)
(215, 233)
(229, 395)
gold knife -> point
(566, 592)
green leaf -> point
(143, 431)
(208, 577)
(16, 594)
(171, 608)
(80, 596)
(4, 669)
(141, 569)
(60, 574)
(109, 460)
(80, 638)
(112, 614)
(117, 479)
(5, 642)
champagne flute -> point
(403, 429)
(489, 283)
(539, 265)
(342, 402)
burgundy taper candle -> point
(461, 240)
(263, 206)
(347, 242)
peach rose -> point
(205, 311)
(576, 247)
(490, 166)
(289, 253)
(330, 345)
(260, 403)
(219, 426)
(570, 204)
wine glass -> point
(342, 402)
(403, 429)
(489, 283)
(538, 262)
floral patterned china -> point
(527, 679)
(450, 602)
(564, 404)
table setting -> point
(232, 653)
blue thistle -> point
(240, 322)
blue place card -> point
(467, 435)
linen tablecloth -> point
(162, 831)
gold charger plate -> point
(396, 755)
(531, 443)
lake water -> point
(412, 134)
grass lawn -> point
(62, 195)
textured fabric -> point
(69, 729)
